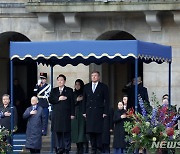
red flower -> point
(130, 112)
(170, 131)
(136, 130)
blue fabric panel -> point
(86, 52)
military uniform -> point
(42, 92)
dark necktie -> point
(60, 91)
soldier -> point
(42, 91)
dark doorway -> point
(25, 76)
(117, 75)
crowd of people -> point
(78, 116)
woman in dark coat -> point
(78, 124)
(35, 126)
(119, 143)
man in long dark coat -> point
(96, 106)
(36, 126)
(63, 111)
(142, 92)
(5, 113)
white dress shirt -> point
(94, 85)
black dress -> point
(119, 132)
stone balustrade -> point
(146, 1)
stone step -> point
(46, 145)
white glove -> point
(39, 82)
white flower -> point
(164, 134)
(154, 130)
(174, 136)
(148, 124)
(134, 135)
(154, 139)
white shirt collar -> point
(95, 83)
(61, 89)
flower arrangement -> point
(4, 145)
(155, 124)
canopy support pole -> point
(52, 133)
(136, 84)
(169, 84)
(11, 100)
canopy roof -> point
(86, 52)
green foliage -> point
(4, 145)
(142, 131)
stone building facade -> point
(55, 20)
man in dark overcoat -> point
(96, 107)
(142, 92)
(5, 113)
(36, 126)
(63, 111)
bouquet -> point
(153, 128)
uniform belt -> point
(41, 97)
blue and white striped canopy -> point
(86, 52)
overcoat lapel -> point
(64, 91)
(90, 88)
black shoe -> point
(67, 151)
(99, 152)
(93, 152)
(60, 151)
(86, 147)
(56, 150)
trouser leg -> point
(46, 113)
(93, 142)
(81, 148)
(60, 142)
(99, 141)
(67, 141)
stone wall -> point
(94, 25)
(13, 1)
